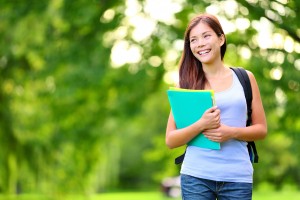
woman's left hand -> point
(221, 134)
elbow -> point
(262, 136)
(264, 133)
(170, 144)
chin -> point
(206, 61)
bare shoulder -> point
(254, 84)
(251, 76)
(249, 73)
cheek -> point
(192, 47)
(193, 51)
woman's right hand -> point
(210, 119)
(178, 137)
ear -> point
(222, 39)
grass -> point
(104, 196)
(290, 195)
(263, 195)
(271, 195)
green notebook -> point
(187, 107)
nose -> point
(200, 42)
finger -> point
(217, 112)
(209, 132)
(219, 120)
(212, 109)
(212, 138)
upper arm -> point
(171, 123)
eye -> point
(192, 40)
(207, 36)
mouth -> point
(204, 52)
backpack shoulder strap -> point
(245, 82)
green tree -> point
(53, 66)
(83, 106)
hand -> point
(210, 118)
(220, 134)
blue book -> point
(187, 107)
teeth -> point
(203, 52)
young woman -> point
(226, 173)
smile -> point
(203, 52)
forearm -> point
(250, 133)
(178, 137)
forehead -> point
(200, 28)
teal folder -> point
(187, 107)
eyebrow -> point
(202, 33)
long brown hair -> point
(191, 74)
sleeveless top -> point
(231, 163)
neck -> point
(214, 70)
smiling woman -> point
(209, 173)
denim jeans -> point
(193, 188)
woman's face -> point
(205, 44)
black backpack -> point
(245, 82)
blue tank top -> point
(231, 163)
